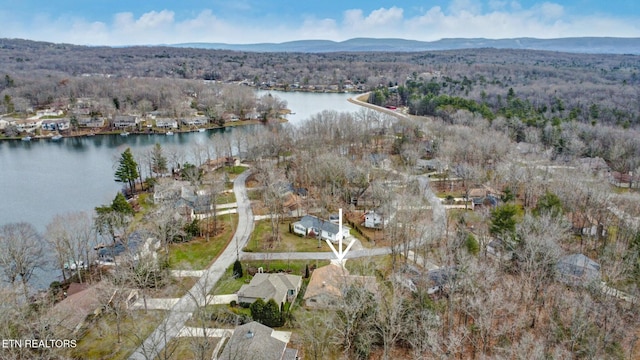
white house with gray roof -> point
(310, 225)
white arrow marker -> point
(339, 253)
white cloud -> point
(355, 19)
(460, 7)
(462, 18)
(551, 11)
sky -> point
(153, 22)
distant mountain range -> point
(592, 45)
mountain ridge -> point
(593, 45)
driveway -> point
(197, 295)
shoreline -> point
(85, 134)
(361, 101)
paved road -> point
(328, 255)
(181, 311)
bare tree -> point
(72, 236)
(316, 333)
(21, 253)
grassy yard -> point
(373, 266)
(177, 287)
(219, 316)
(101, 339)
(289, 242)
(229, 285)
(226, 198)
(198, 253)
(191, 348)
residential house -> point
(587, 225)
(230, 117)
(91, 122)
(49, 112)
(440, 279)
(82, 303)
(168, 190)
(129, 252)
(366, 198)
(312, 226)
(329, 283)
(279, 287)
(483, 196)
(252, 115)
(27, 125)
(56, 124)
(577, 269)
(125, 121)
(430, 165)
(166, 123)
(195, 121)
(629, 180)
(215, 164)
(256, 341)
(195, 203)
(375, 219)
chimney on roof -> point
(249, 334)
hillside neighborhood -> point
(478, 205)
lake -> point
(42, 178)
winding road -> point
(178, 315)
(196, 296)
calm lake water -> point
(42, 178)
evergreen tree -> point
(503, 222)
(127, 170)
(158, 160)
(549, 203)
(121, 205)
(266, 313)
(237, 269)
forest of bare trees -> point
(550, 140)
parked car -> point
(106, 261)
(75, 265)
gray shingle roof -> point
(309, 221)
(253, 341)
(270, 286)
(578, 269)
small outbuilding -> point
(577, 269)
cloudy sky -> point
(133, 22)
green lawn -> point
(101, 339)
(218, 316)
(191, 348)
(198, 253)
(229, 285)
(254, 194)
(288, 242)
(226, 198)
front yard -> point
(229, 285)
(101, 339)
(261, 240)
(198, 253)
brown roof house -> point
(328, 283)
(254, 341)
(81, 302)
(279, 287)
